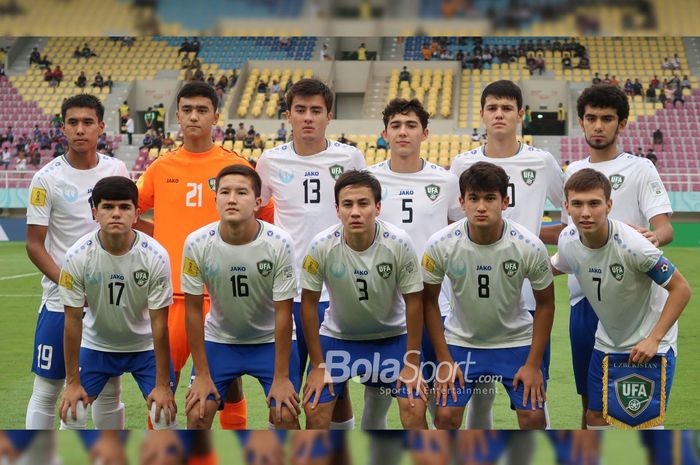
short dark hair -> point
(586, 180)
(403, 106)
(604, 96)
(483, 176)
(309, 88)
(503, 89)
(83, 101)
(198, 89)
(114, 188)
(358, 178)
(241, 170)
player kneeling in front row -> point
(373, 325)
(248, 267)
(125, 276)
(488, 334)
(622, 275)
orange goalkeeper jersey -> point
(179, 186)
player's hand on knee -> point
(161, 448)
(164, 400)
(284, 395)
(412, 379)
(318, 377)
(264, 448)
(449, 375)
(108, 450)
(644, 351)
(72, 394)
(303, 443)
(533, 385)
(201, 388)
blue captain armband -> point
(661, 272)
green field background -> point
(20, 299)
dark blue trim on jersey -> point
(661, 272)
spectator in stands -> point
(195, 46)
(123, 113)
(381, 143)
(57, 75)
(189, 75)
(637, 87)
(561, 113)
(281, 133)
(211, 80)
(282, 106)
(59, 150)
(606, 79)
(325, 56)
(108, 150)
(9, 135)
(185, 63)
(21, 161)
(48, 75)
(234, 77)
(275, 87)
(44, 62)
(596, 79)
(33, 155)
(476, 61)
(475, 136)
(222, 83)
(240, 132)
(426, 53)
(284, 42)
(639, 152)
(685, 83)
(251, 131)
(527, 120)
(258, 141)
(158, 138)
(82, 80)
(538, 65)
(2, 71)
(109, 83)
(676, 62)
(566, 63)
(77, 53)
(127, 41)
(168, 141)
(666, 64)
(34, 57)
(614, 81)
(36, 133)
(147, 140)
(6, 157)
(262, 87)
(249, 141)
(44, 141)
(87, 52)
(129, 128)
(651, 95)
(98, 81)
(362, 52)
(149, 117)
(654, 82)
(344, 140)
(584, 62)
(658, 137)
(230, 133)
(459, 56)
(651, 155)
(678, 96)
(629, 87)
(663, 97)
(446, 55)
(21, 144)
(102, 141)
(184, 48)
(196, 64)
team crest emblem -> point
(618, 271)
(616, 180)
(212, 184)
(385, 270)
(286, 176)
(528, 176)
(432, 191)
(140, 277)
(510, 267)
(634, 393)
(336, 171)
(265, 267)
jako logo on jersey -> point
(510, 267)
(406, 192)
(385, 270)
(432, 191)
(265, 267)
(172, 181)
(311, 173)
(595, 270)
(634, 393)
(483, 267)
(238, 268)
(616, 180)
(140, 277)
(336, 171)
(528, 176)
(117, 276)
(212, 184)
(286, 176)
(618, 271)
(361, 272)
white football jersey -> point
(302, 189)
(365, 288)
(243, 281)
(615, 281)
(486, 283)
(534, 176)
(637, 194)
(59, 197)
(120, 290)
(421, 204)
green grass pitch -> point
(20, 298)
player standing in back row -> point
(59, 214)
(299, 176)
(179, 186)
